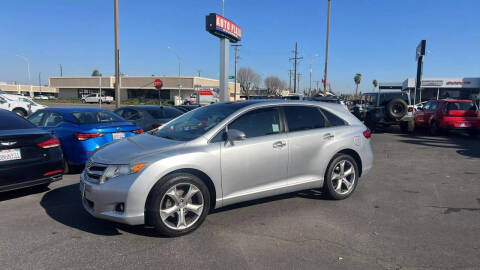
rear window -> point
(96, 117)
(171, 112)
(462, 106)
(10, 121)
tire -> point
(66, 167)
(473, 133)
(20, 112)
(84, 101)
(334, 175)
(397, 108)
(407, 126)
(434, 129)
(160, 198)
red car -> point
(449, 114)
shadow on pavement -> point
(13, 194)
(464, 145)
(64, 205)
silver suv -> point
(223, 154)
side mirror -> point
(235, 135)
(420, 108)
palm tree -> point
(96, 73)
(357, 79)
(375, 84)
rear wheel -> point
(407, 126)
(178, 204)
(341, 177)
(434, 129)
(19, 112)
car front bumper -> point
(101, 200)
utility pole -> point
(199, 73)
(61, 70)
(117, 55)
(290, 79)
(326, 51)
(298, 81)
(316, 82)
(235, 46)
(295, 59)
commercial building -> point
(135, 86)
(28, 90)
(437, 88)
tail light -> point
(138, 131)
(53, 172)
(86, 136)
(410, 109)
(53, 142)
(367, 133)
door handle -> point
(328, 136)
(279, 144)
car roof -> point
(74, 109)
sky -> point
(376, 38)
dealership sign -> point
(222, 27)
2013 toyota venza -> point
(223, 154)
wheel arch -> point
(353, 154)
(200, 174)
(20, 109)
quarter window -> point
(303, 118)
(36, 118)
(258, 123)
(333, 119)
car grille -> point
(94, 172)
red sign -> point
(223, 27)
(158, 84)
(458, 82)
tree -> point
(273, 84)
(357, 79)
(248, 80)
(375, 84)
(96, 73)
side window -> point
(427, 105)
(130, 114)
(36, 118)
(333, 119)
(2, 100)
(260, 122)
(53, 119)
(434, 106)
(303, 118)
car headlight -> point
(113, 171)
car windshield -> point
(195, 123)
(94, 117)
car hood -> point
(131, 148)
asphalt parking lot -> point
(419, 208)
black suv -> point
(388, 108)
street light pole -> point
(117, 55)
(179, 69)
(311, 60)
(326, 51)
(28, 66)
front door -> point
(257, 166)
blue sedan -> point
(82, 130)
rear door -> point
(308, 137)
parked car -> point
(29, 156)
(29, 103)
(82, 130)
(41, 97)
(448, 114)
(388, 108)
(148, 117)
(223, 154)
(187, 108)
(15, 106)
(330, 99)
(95, 98)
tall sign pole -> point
(326, 51)
(227, 31)
(117, 56)
(420, 53)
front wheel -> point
(84, 101)
(178, 204)
(341, 177)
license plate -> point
(118, 135)
(10, 154)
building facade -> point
(135, 86)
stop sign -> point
(158, 84)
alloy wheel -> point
(181, 206)
(343, 177)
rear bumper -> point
(32, 183)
